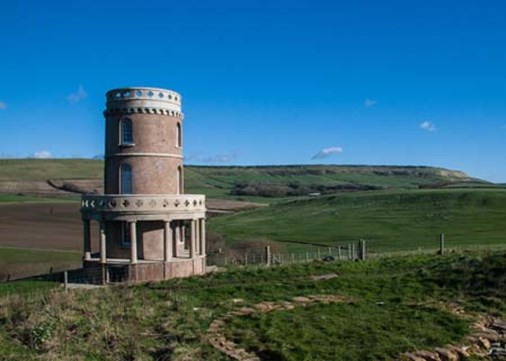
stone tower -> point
(149, 229)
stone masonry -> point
(148, 226)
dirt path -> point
(486, 341)
(218, 340)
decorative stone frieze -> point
(142, 203)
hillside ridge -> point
(58, 168)
(73, 176)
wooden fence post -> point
(268, 256)
(361, 250)
(307, 256)
(442, 243)
(339, 253)
(104, 274)
(318, 252)
(349, 252)
(65, 280)
(245, 258)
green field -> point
(393, 215)
(388, 220)
(396, 305)
(28, 262)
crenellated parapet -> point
(135, 100)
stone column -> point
(133, 241)
(177, 237)
(192, 238)
(203, 236)
(197, 236)
(168, 244)
(86, 240)
(103, 250)
(182, 235)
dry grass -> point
(169, 320)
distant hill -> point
(297, 180)
(54, 176)
(44, 169)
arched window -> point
(179, 140)
(126, 134)
(125, 186)
(179, 180)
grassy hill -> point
(44, 169)
(268, 182)
(390, 307)
(393, 305)
(297, 180)
(388, 220)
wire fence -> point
(75, 278)
(362, 249)
(266, 256)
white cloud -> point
(42, 154)
(214, 158)
(327, 152)
(428, 126)
(218, 158)
(3, 105)
(79, 95)
(194, 156)
(368, 103)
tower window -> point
(126, 237)
(179, 140)
(125, 186)
(126, 133)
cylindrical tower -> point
(148, 225)
(143, 142)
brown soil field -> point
(48, 226)
(57, 226)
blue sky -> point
(403, 82)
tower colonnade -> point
(147, 225)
